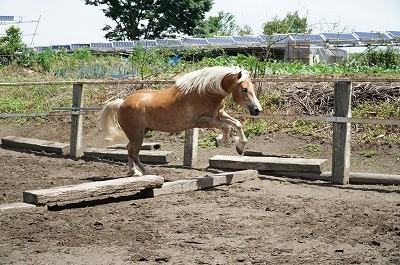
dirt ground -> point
(270, 220)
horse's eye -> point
(244, 90)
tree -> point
(223, 24)
(12, 41)
(292, 23)
(149, 19)
(244, 30)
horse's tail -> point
(108, 120)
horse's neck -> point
(211, 102)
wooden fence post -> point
(191, 145)
(341, 133)
(76, 148)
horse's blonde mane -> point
(208, 80)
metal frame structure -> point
(355, 39)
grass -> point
(368, 153)
(208, 139)
(254, 128)
(27, 99)
(313, 148)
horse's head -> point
(242, 90)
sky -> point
(71, 21)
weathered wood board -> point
(17, 206)
(35, 144)
(258, 153)
(145, 146)
(92, 191)
(200, 183)
(273, 164)
(369, 178)
(155, 157)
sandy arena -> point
(271, 220)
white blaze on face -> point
(256, 102)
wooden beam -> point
(269, 79)
(200, 183)
(76, 148)
(146, 156)
(259, 153)
(274, 164)
(19, 206)
(341, 133)
(191, 147)
(330, 119)
(369, 178)
(36, 145)
(92, 191)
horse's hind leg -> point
(131, 165)
(133, 158)
(224, 137)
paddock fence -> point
(341, 118)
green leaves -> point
(292, 23)
(12, 41)
(151, 19)
(150, 62)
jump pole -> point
(76, 147)
(341, 133)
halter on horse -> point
(195, 101)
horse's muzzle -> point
(254, 110)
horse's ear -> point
(239, 75)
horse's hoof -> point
(239, 150)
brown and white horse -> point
(195, 101)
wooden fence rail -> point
(267, 79)
(341, 119)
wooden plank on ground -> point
(258, 153)
(35, 144)
(155, 157)
(19, 206)
(274, 164)
(145, 146)
(200, 183)
(369, 178)
(92, 191)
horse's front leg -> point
(228, 120)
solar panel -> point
(59, 47)
(279, 39)
(79, 46)
(339, 37)
(6, 18)
(146, 43)
(194, 41)
(247, 39)
(123, 44)
(313, 38)
(220, 40)
(101, 45)
(169, 42)
(371, 36)
(395, 34)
